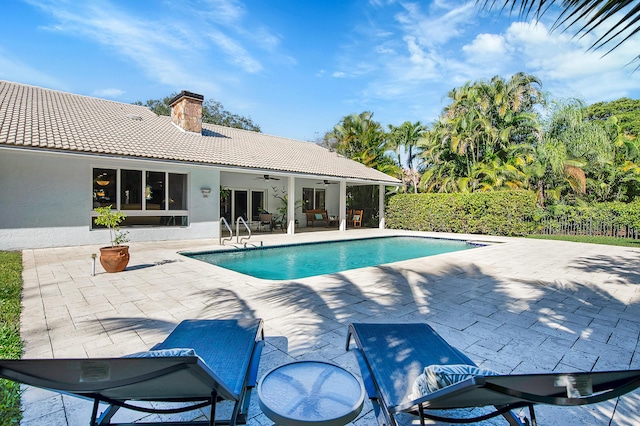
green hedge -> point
(496, 213)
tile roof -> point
(42, 118)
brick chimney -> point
(186, 111)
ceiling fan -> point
(267, 177)
(326, 182)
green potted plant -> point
(116, 257)
(281, 218)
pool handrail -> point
(244, 222)
(226, 225)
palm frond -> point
(586, 15)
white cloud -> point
(338, 74)
(168, 49)
(223, 11)
(431, 29)
(441, 50)
(237, 54)
(108, 93)
(385, 49)
(565, 66)
(486, 46)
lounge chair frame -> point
(218, 372)
(505, 392)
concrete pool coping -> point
(523, 306)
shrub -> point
(496, 213)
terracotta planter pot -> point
(114, 259)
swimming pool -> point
(309, 259)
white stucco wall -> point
(46, 200)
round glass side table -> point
(310, 393)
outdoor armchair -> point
(265, 219)
(355, 219)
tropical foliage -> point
(626, 111)
(404, 139)
(506, 134)
(484, 137)
(361, 138)
(570, 147)
(620, 19)
(212, 112)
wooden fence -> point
(591, 228)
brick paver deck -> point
(517, 306)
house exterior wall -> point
(46, 200)
(247, 182)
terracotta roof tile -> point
(37, 117)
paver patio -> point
(514, 306)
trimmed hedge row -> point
(496, 213)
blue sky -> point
(297, 67)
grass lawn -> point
(626, 242)
(10, 343)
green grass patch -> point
(625, 242)
(10, 342)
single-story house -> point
(62, 155)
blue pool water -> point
(305, 260)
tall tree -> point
(627, 112)
(479, 138)
(405, 138)
(212, 112)
(361, 138)
(620, 19)
(571, 150)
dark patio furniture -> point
(392, 356)
(201, 361)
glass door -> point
(257, 204)
(240, 205)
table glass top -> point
(311, 391)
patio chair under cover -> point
(392, 356)
(201, 361)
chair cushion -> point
(356, 217)
(163, 353)
(437, 377)
(318, 216)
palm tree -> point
(618, 180)
(622, 16)
(481, 133)
(570, 150)
(406, 136)
(361, 138)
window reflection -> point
(154, 191)
(131, 190)
(137, 192)
(104, 187)
(177, 192)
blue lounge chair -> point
(392, 356)
(201, 361)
